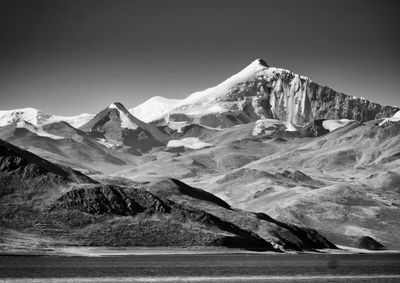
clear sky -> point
(68, 57)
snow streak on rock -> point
(192, 143)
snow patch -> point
(106, 143)
(177, 126)
(387, 121)
(154, 108)
(200, 109)
(332, 125)
(74, 121)
(36, 130)
(125, 120)
(192, 143)
(290, 127)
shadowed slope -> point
(16, 161)
(172, 187)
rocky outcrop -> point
(314, 129)
(111, 199)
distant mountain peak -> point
(120, 129)
(37, 117)
(117, 105)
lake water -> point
(203, 268)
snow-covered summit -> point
(198, 103)
(37, 117)
(31, 115)
(248, 73)
(244, 94)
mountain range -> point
(261, 161)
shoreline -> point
(254, 278)
(84, 251)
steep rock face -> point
(282, 95)
(329, 104)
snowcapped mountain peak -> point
(38, 117)
(259, 91)
(31, 115)
(246, 74)
(124, 115)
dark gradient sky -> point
(68, 57)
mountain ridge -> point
(257, 86)
(259, 91)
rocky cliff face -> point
(282, 95)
